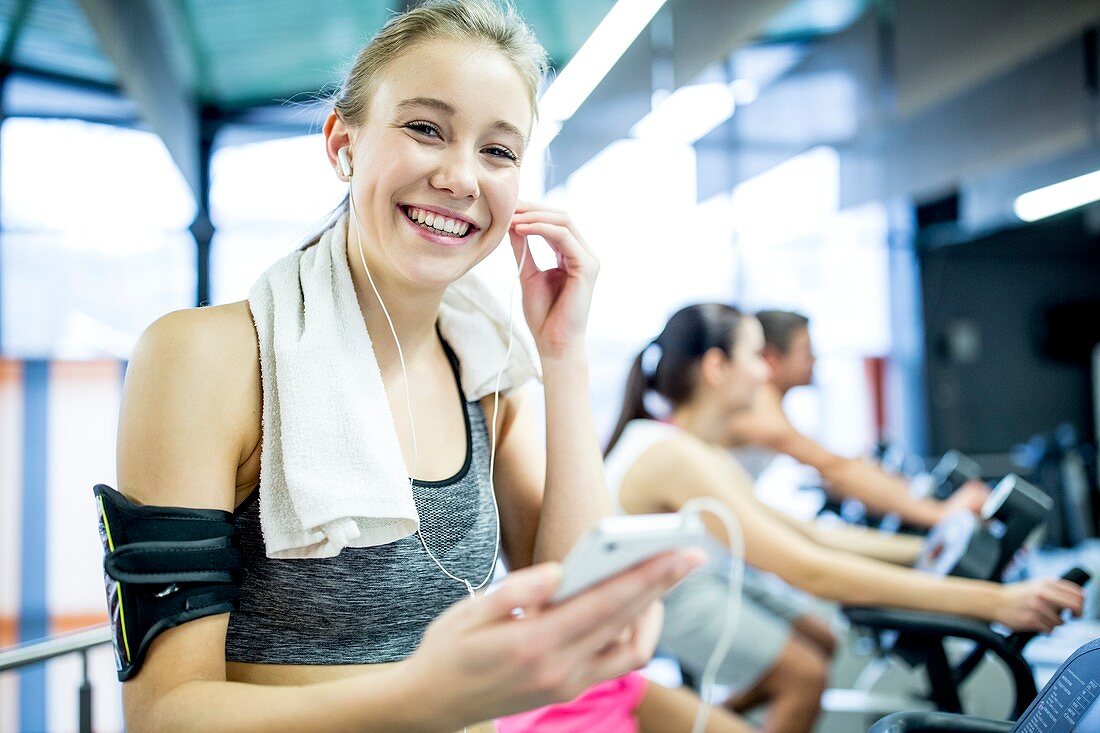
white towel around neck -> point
(331, 473)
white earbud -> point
(345, 163)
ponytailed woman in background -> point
(706, 365)
(357, 610)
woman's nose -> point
(457, 174)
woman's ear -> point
(337, 135)
(713, 367)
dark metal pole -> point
(85, 696)
(202, 228)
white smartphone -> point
(619, 543)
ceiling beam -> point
(830, 96)
(135, 38)
(945, 47)
(1036, 111)
(705, 31)
(15, 28)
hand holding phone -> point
(619, 543)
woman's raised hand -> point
(481, 659)
(555, 301)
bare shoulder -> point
(190, 407)
(658, 479)
(682, 468)
(678, 453)
(225, 330)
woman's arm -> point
(189, 416)
(556, 303)
(881, 492)
(892, 548)
(897, 549)
(673, 472)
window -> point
(95, 243)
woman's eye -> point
(498, 152)
(423, 128)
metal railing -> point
(78, 642)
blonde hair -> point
(493, 23)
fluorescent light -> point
(596, 57)
(689, 113)
(1051, 200)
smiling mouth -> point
(438, 223)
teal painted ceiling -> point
(237, 53)
(243, 53)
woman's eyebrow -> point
(510, 129)
(445, 108)
(432, 103)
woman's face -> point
(748, 370)
(436, 161)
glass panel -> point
(95, 243)
(800, 252)
(65, 297)
(266, 198)
(273, 182)
(239, 255)
(635, 204)
(73, 175)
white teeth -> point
(456, 227)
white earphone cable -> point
(736, 577)
(470, 588)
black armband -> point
(163, 566)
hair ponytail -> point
(668, 365)
(637, 383)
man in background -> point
(760, 433)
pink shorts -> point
(608, 707)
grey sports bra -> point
(368, 605)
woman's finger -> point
(525, 206)
(1064, 594)
(1049, 617)
(529, 217)
(617, 661)
(595, 618)
(529, 587)
(521, 248)
(648, 629)
(583, 613)
(553, 216)
(560, 239)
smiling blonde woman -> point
(429, 130)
